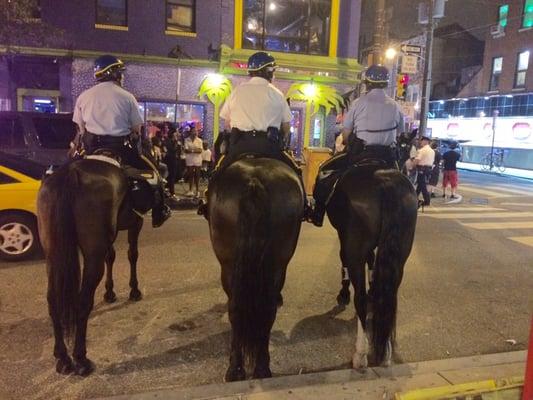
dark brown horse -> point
(255, 208)
(82, 206)
(374, 212)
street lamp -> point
(390, 53)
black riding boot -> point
(160, 211)
(325, 181)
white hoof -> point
(387, 361)
(359, 361)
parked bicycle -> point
(493, 160)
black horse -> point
(82, 206)
(255, 208)
(374, 212)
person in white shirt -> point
(193, 160)
(425, 157)
(108, 117)
(206, 160)
(370, 129)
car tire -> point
(19, 237)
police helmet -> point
(108, 67)
(377, 74)
(260, 60)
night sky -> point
(475, 15)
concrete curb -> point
(350, 382)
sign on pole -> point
(409, 65)
(411, 49)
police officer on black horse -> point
(108, 118)
(257, 117)
(371, 127)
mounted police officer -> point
(370, 129)
(108, 117)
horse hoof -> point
(110, 297)
(360, 362)
(235, 374)
(262, 373)
(64, 366)
(343, 300)
(280, 300)
(84, 367)
(136, 295)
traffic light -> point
(401, 86)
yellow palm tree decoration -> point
(316, 96)
(217, 88)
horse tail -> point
(388, 268)
(62, 253)
(253, 301)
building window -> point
(112, 12)
(527, 22)
(301, 26)
(503, 12)
(496, 72)
(181, 15)
(521, 68)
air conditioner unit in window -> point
(497, 30)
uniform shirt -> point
(425, 156)
(256, 104)
(450, 160)
(193, 159)
(107, 109)
(375, 111)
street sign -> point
(409, 65)
(409, 48)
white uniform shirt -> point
(425, 156)
(193, 159)
(107, 109)
(256, 104)
(375, 111)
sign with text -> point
(409, 48)
(409, 65)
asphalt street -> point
(467, 290)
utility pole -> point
(379, 33)
(426, 87)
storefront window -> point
(181, 15)
(112, 12)
(159, 113)
(293, 26)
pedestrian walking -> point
(193, 160)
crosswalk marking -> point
(482, 215)
(511, 190)
(527, 240)
(454, 209)
(484, 192)
(500, 225)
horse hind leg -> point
(235, 371)
(93, 272)
(63, 361)
(133, 256)
(110, 296)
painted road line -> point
(482, 215)
(454, 209)
(510, 190)
(500, 225)
(488, 193)
(517, 204)
(527, 240)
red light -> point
(404, 80)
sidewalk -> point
(375, 384)
(517, 173)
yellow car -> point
(20, 180)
